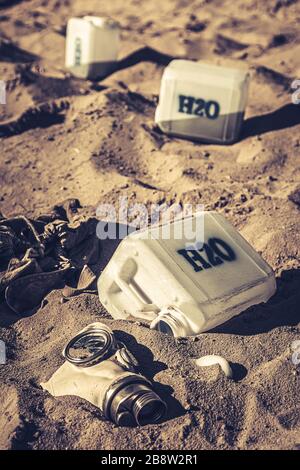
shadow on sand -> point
(282, 118)
(281, 310)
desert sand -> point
(64, 137)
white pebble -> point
(211, 360)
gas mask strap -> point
(125, 358)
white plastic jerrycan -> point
(202, 101)
(92, 46)
(168, 276)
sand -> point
(97, 142)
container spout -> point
(170, 321)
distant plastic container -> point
(92, 46)
(202, 101)
(181, 285)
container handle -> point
(136, 294)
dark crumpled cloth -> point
(38, 255)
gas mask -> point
(102, 370)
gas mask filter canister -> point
(102, 370)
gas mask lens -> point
(89, 347)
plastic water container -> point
(185, 281)
(202, 101)
(92, 46)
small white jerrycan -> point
(202, 101)
(185, 277)
(92, 46)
